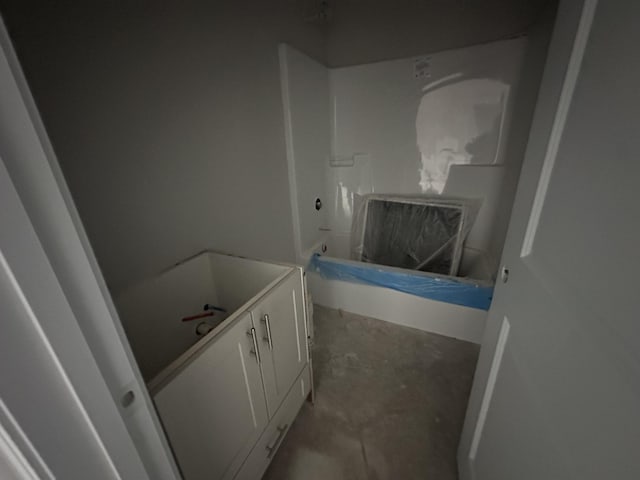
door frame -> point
(33, 169)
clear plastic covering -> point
(424, 233)
(468, 293)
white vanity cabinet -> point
(228, 399)
(214, 410)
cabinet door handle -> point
(255, 351)
(272, 448)
(268, 339)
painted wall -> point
(364, 31)
(167, 121)
(434, 124)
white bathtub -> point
(389, 304)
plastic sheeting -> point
(415, 232)
(444, 289)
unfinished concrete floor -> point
(390, 402)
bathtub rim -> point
(405, 271)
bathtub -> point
(452, 306)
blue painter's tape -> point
(444, 289)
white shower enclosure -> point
(434, 124)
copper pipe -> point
(200, 315)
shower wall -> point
(305, 98)
(433, 124)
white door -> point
(214, 410)
(557, 391)
(28, 156)
(279, 319)
(57, 418)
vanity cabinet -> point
(214, 410)
(227, 401)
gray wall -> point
(363, 31)
(167, 121)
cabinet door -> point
(214, 410)
(280, 319)
(273, 436)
